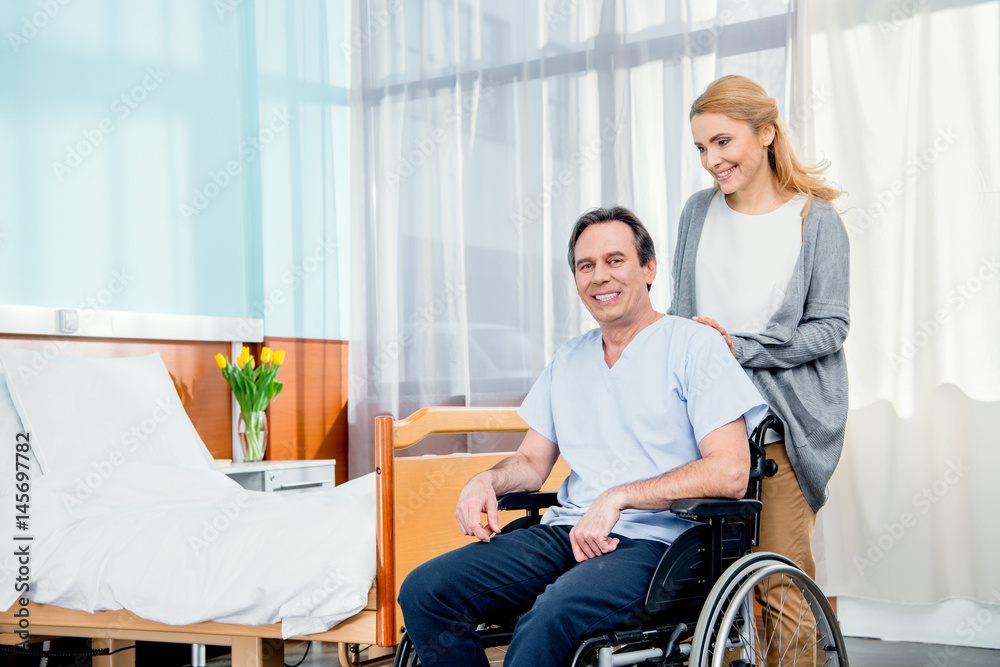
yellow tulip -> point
(243, 358)
(252, 364)
(265, 355)
(221, 360)
(278, 357)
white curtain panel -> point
(301, 102)
(904, 99)
(483, 130)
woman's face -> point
(732, 153)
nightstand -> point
(282, 476)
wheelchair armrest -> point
(531, 503)
(527, 501)
(702, 508)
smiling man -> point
(646, 409)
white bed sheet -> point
(182, 546)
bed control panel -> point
(282, 476)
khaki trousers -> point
(786, 527)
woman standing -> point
(763, 258)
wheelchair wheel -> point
(495, 641)
(586, 653)
(727, 632)
(406, 655)
(733, 577)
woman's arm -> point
(810, 341)
(825, 318)
(681, 271)
(675, 267)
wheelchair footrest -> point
(620, 637)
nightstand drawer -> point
(282, 476)
(298, 479)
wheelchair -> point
(700, 606)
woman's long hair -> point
(746, 100)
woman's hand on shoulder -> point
(718, 327)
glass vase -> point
(253, 435)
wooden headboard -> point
(309, 421)
(203, 392)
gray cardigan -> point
(797, 363)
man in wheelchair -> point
(647, 409)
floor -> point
(862, 653)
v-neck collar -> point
(629, 346)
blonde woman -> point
(763, 258)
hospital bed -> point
(415, 499)
(415, 511)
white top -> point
(745, 262)
(674, 383)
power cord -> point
(45, 654)
(308, 646)
(17, 650)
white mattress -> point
(182, 546)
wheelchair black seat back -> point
(700, 607)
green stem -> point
(254, 437)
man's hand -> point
(526, 470)
(589, 537)
(476, 498)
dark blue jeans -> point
(533, 571)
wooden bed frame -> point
(415, 513)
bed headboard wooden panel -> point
(309, 419)
(418, 522)
(203, 392)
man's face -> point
(609, 278)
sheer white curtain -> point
(482, 131)
(909, 115)
(300, 82)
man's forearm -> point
(514, 474)
(703, 478)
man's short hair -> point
(643, 241)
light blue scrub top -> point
(675, 382)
